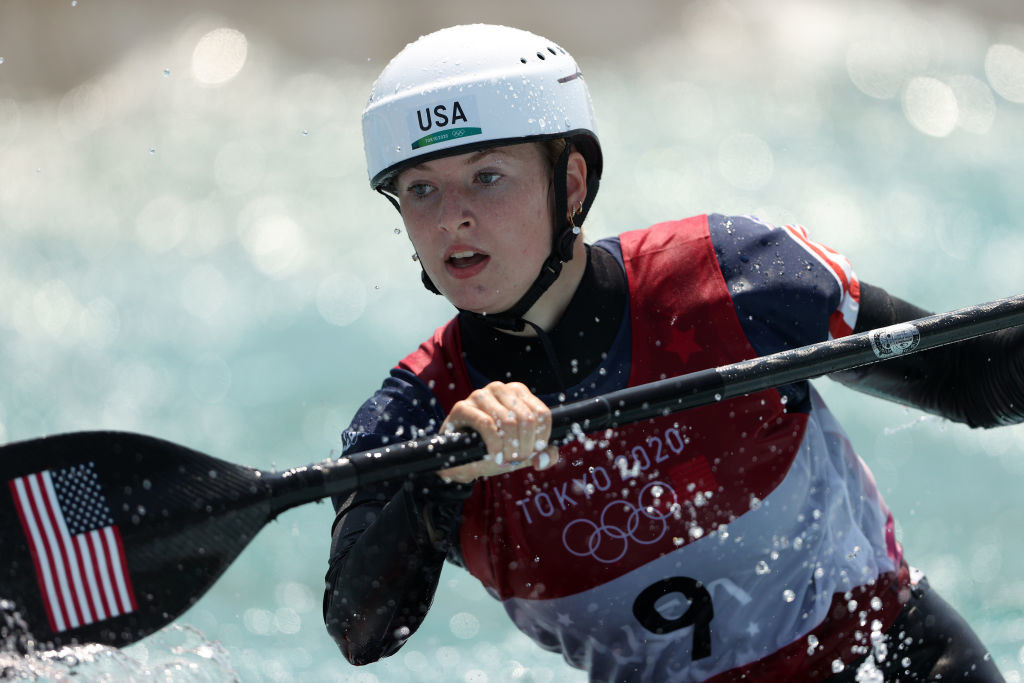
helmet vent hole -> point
(552, 51)
(523, 60)
(540, 55)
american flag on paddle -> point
(76, 547)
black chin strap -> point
(512, 318)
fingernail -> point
(544, 460)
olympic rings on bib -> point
(607, 542)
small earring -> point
(576, 210)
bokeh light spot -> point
(975, 103)
(930, 106)
(1004, 67)
(464, 625)
(341, 299)
(219, 56)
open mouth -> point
(466, 259)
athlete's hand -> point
(514, 424)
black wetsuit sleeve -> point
(979, 382)
(389, 541)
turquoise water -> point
(188, 249)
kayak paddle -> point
(108, 536)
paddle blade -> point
(108, 536)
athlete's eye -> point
(419, 190)
(488, 177)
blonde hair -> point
(551, 150)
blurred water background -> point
(188, 249)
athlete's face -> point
(480, 223)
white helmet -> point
(469, 87)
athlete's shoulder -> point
(665, 232)
(432, 350)
(782, 280)
(401, 409)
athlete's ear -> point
(575, 179)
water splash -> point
(180, 653)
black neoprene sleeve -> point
(388, 546)
(979, 381)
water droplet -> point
(213, 474)
(762, 568)
(718, 397)
(788, 595)
(167, 72)
(305, 132)
(1, 60)
(398, 231)
(876, 603)
(837, 666)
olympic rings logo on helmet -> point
(607, 542)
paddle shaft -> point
(188, 515)
(655, 399)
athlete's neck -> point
(550, 307)
(580, 338)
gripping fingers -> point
(525, 422)
(514, 425)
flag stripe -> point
(45, 515)
(90, 576)
(43, 574)
(71, 558)
(82, 577)
(120, 568)
(103, 571)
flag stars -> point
(81, 497)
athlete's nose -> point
(455, 212)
